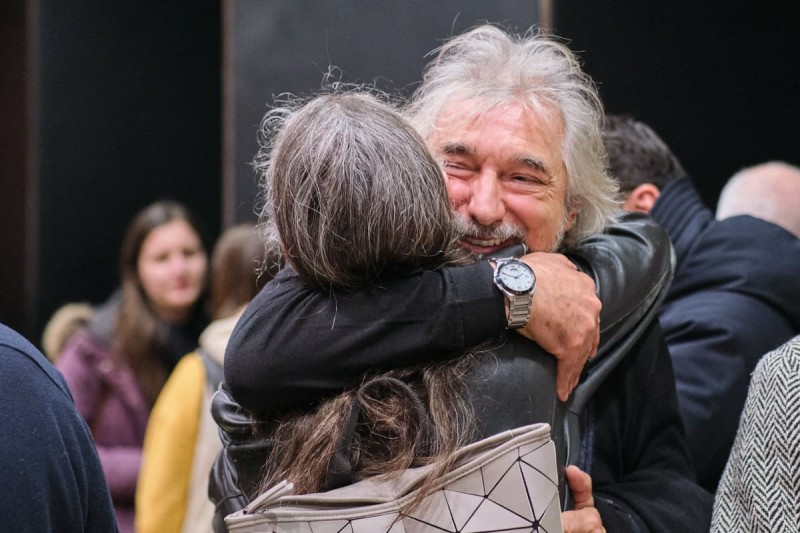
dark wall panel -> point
(13, 171)
(287, 46)
(129, 113)
(718, 80)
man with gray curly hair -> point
(488, 101)
(515, 123)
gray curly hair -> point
(491, 68)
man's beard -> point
(505, 231)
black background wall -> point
(719, 81)
(123, 106)
(13, 171)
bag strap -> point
(340, 470)
(212, 367)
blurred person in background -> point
(182, 439)
(116, 366)
(770, 191)
(735, 296)
(65, 322)
(759, 489)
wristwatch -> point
(517, 281)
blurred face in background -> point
(172, 269)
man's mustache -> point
(500, 232)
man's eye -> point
(533, 180)
(455, 169)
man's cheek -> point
(458, 192)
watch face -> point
(516, 276)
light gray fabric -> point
(507, 482)
(760, 487)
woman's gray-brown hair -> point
(351, 193)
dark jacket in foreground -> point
(52, 478)
(295, 346)
(735, 296)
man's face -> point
(505, 176)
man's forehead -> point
(464, 120)
(533, 162)
(475, 110)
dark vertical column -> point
(16, 101)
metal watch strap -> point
(519, 310)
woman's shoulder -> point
(81, 326)
(84, 349)
(103, 326)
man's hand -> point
(565, 316)
(584, 518)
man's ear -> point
(572, 213)
(642, 198)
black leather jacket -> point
(631, 264)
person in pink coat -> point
(116, 366)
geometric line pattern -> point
(514, 492)
(760, 486)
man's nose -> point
(486, 205)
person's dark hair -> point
(141, 337)
(351, 192)
(353, 195)
(239, 269)
(637, 155)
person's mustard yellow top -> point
(162, 493)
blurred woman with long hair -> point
(116, 366)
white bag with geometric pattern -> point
(507, 482)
